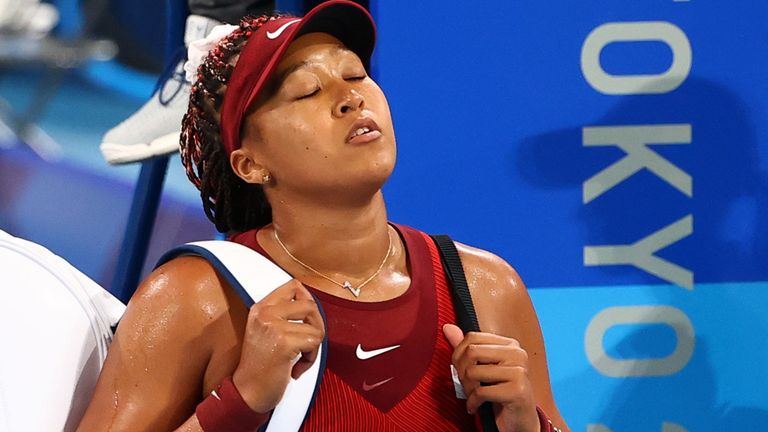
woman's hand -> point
(502, 366)
(281, 340)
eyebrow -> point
(281, 77)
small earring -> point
(266, 178)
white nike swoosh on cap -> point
(369, 387)
(276, 34)
(365, 355)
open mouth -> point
(360, 131)
(363, 130)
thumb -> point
(454, 334)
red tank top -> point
(388, 363)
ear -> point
(245, 164)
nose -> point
(350, 101)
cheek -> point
(289, 129)
(378, 103)
(293, 140)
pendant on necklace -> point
(355, 291)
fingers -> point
(491, 368)
(512, 387)
(482, 394)
(290, 290)
(478, 338)
(304, 342)
(284, 323)
(289, 320)
(505, 355)
(305, 362)
(466, 355)
(454, 334)
(475, 366)
(490, 374)
(290, 302)
(282, 338)
(308, 346)
(304, 310)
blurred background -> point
(615, 153)
(60, 93)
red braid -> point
(228, 201)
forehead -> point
(308, 49)
(311, 48)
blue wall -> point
(651, 287)
(654, 255)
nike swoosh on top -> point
(365, 355)
(276, 34)
(369, 387)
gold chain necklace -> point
(346, 285)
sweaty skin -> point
(185, 329)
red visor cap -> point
(345, 20)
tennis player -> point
(290, 141)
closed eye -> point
(356, 78)
(308, 95)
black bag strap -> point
(454, 272)
(465, 309)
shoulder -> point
(186, 282)
(504, 307)
(185, 296)
(179, 301)
(179, 315)
(182, 313)
(483, 266)
(498, 292)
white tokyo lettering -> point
(634, 140)
(641, 254)
(639, 315)
(668, 33)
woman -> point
(290, 142)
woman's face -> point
(324, 130)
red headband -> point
(347, 21)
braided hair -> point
(229, 202)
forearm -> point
(190, 425)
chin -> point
(382, 166)
(373, 175)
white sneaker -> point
(155, 129)
(27, 17)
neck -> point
(346, 241)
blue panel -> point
(627, 58)
(721, 387)
(490, 104)
(648, 341)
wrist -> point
(250, 399)
(225, 410)
(510, 419)
(545, 424)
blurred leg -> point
(230, 11)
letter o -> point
(662, 31)
(621, 315)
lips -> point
(363, 130)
